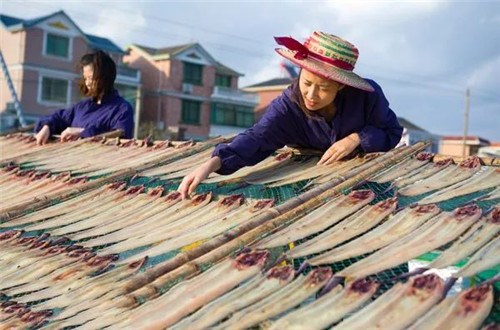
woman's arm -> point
(57, 122)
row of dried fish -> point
(236, 295)
(18, 187)
(274, 171)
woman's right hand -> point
(43, 135)
(193, 179)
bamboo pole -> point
(9, 214)
(457, 159)
(184, 264)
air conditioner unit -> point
(187, 88)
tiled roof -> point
(222, 69)
(14, 23)
(273, 82)
(166, 50)
(103, 44)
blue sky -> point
(424, 54)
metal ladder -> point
(17, 104)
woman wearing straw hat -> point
(329, 108)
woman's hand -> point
(71, 133)
(43, 135)
(193, 179)
(340, 149)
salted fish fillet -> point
(399, 307)
(352, 226)
(321, 218)
(206, 230)
(486, 179)
(422, 173)
(58, 209)
(158, 205)
(188, 296)
(477, 236)
(143, 204)
(267, 165)
(87, 210)
(112, 214)
(209, 213)
(287, 297)
(444, 178)
(465, 311)
(284, 173)
(329, 308)
(91, 287)
(397, 226)
(486, 258)
(254, 290)
(179, 165)
(402, 168)
(344, 168)
(168, 215)
(434, 233)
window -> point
(222, 81)
(190, 112)
(192, 73)
(232, 115)
(54, 90)
(57, 46)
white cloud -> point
(118, 25)
(487, 75)
(355, 12)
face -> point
(316, 91)
(88, 73)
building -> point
(268, 91)
(187, 92)
(42, 56)
(454, 145)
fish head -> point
(252, 258)
(262, 204)
(282, 273)
(319, 276)
(424, 156)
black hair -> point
(104, 74)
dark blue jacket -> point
(113, 113)
(284, 123)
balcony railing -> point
(128, 72)
(235, 95)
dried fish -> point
(320, 219)
(356, 224)
(397, 226)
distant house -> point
(413, 134)
(268, 91)
(187, 91)
(42, 55)
(453, 145)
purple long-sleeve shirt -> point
(113, 113)
(284, 123)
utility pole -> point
(138, 101)
(466, 120)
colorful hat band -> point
(303, 52)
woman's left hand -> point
(340, 149)
(71, 133)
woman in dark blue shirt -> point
(104, 110)
(329, 108)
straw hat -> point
(326, 55)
